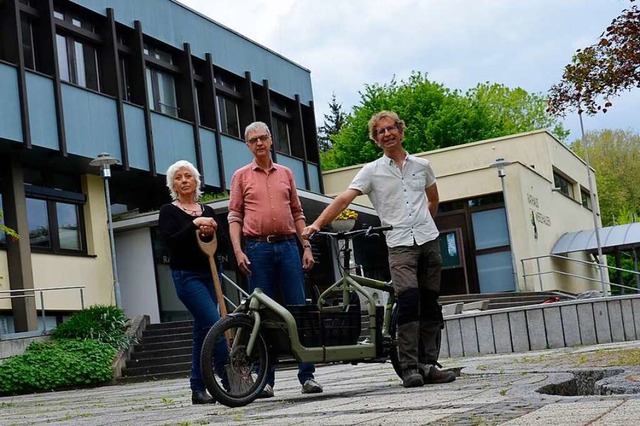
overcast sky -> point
(459, 43)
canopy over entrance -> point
(612, 239)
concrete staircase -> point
(507, 300)
(164, 351)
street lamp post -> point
(104, 161)
(500, 164)
(592, 196)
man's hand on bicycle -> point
(308, 231)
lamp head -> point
(104, 161)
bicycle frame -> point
(259, 303)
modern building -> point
(148, 82)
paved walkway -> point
(492, 390)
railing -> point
(241, 292)
(539, 273)
(31, 292)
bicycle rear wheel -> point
(234, 377)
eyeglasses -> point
(384, 130)
(261, 138)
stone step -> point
(178, 367)
(160, 338)
(164, 331)
(158, 361)
(162, 353)
(172, 324)
(142, 347)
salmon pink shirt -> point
(264, 202)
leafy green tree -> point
(333, 122)
(438, 117)
(615, 155)
(603, 70)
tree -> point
(615, 155)
(603, 70)
(333, 122)
(437, 117)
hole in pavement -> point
(583, 383)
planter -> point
(344, 225)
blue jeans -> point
(195, 290)
(278, 266)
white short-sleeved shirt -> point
(399, 197)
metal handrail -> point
(237, 287)
(41, 291)
(539, 273)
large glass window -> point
(493, 250)
(161, 88)
(228, 116)
(54, 225)
(490, 229)
(161, 92)
(54, 212)
(77, 62)
(38, 221)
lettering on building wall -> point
(543, 218)
(536, 216)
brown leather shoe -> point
(431, 374)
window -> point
(563, 185)
(54, 212)
(161, 88)
(77, 59)
(586, 198)
(77, 62)
(27, 43)
(281, 136)
(228, 116)
(125, 71)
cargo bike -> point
(240, 349)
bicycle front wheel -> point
(232, 376)
(394, 356)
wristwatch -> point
(306, 245)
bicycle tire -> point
(233, 377)
(394, 356)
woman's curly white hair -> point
(171, 174)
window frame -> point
(566, 186)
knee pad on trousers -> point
(430, 309)
(408, 306)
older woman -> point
(178, 222)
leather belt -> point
(271, 238)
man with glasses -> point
(264, 208)
(403, 190)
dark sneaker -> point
(431, 374)
(267, 392)
(311, 386)
(201, 397)
(412, 379)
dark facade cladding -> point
(149, 82)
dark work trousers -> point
(415, 271)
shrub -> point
(57, 364)
(104, 323)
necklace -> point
(192, 212)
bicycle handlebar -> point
(368, 231)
